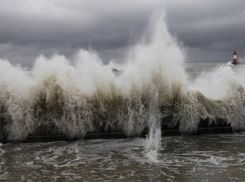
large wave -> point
(56, 96)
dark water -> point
(180, 158)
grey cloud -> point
(211, 30)
(30, 28)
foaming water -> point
(151, 89)
(58, 97)
(224, 87)
(180, 158)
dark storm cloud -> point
(28, 28)
(210, 29)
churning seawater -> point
(152, 87)
(181, 158)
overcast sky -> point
(210, 29)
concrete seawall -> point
(204, 128)
(3, 136)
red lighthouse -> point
(234, 58)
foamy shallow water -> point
(180, 158)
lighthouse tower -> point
(234, 58)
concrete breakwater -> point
(40, 136)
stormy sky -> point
(210, 30)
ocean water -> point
(181, 158)
(153, 86)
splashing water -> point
(153, 141)
(150, 89)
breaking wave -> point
(56, 96)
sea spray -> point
(57, 97)
(88, 96)
(15, 100)
(224, 95)
(57, 100)
(153, 140)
